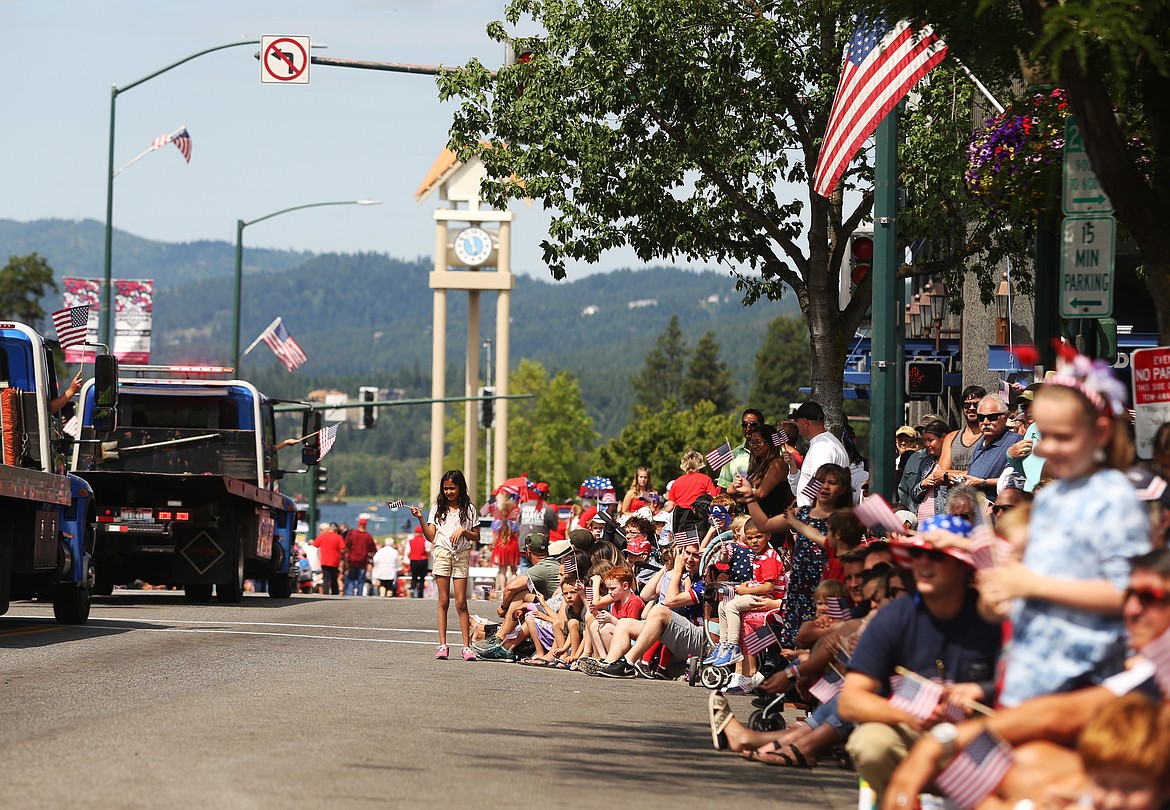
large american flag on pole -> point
(881, 64)
(277, 338)
(71, 324)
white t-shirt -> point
(824, 448)
(451, 523)
(386, 563)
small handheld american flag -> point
(71, 324)
(838, 607)
(395, 504)
(589, 594)
(690, 537)
(571, 563)
(328, 438)
(977, 771)
(720, 457)
(915, 696)
(759, 639)
(811, 489)
(1157, 652)
(875, 513)
(780, 438)
(828, 686)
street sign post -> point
(1151, 396)
(284, 60)
(1086, 267)
(1082, 189)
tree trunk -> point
(827, 342)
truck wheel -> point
(71, 606)
(197, 592)
(232, 591)
(102, 585)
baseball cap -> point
(906, 430)
(926, 419)
(537, 541)
(810, 411)
(951, 523)
(581, 538)
(1149, 487)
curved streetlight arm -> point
(107, 297)
(240, 225)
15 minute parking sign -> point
(284, 60)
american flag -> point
(875, 513)
(828, 686)
(589, 594)
(1157, 652)
(571, 563)
(181, 139)
(838, 607)
(780, 438)
(881, 65)
(915, 696)
(690, 537)
(395, 504)
(984, 547)
(71, 324)
(720, 457)
(977, 771)
(759, 639)
(277, 338)
(811, 489)
(328, 437)
(72, 426)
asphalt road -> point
(329, 701)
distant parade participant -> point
(331, 545)
(452, 528)
(360, 550)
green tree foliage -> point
(782, 368)
(661, 377)
(657, 439)
(550, 437)
(708, 377)
(682, 129)
(24, 281)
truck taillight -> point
(106, 517)
(182, 515)
(164, 515)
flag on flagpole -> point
(977, 771)
(277, 338)
(720, 457)
(875, 513)
(828, 686)
(395, 504)
(759, 639)
(71, 324)
(915, 696)
(838, 607)
(881, 64)
(180, 138)
(328, 437)
(811, 489)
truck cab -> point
(43, 510)
(186, 487)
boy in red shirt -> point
(767, 582)
(622, 602)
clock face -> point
(473, 246)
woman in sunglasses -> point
(1085, 526)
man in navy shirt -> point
(938, 634)
(989, 455)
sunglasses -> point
(967, 406)
(990, 417)
(749, 424)
(895, 592)
(996, 508)
(1148, 597)
(916, 553)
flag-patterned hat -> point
(951, 523)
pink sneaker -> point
(468, 654)
(441, 652)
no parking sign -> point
(1151, 395)
(284, 60)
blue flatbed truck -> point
(44, 553)
(185, 489)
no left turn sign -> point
(284, 60)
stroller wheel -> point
(693, 670)
(713, 677)
(758, 721)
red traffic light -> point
(862, 248)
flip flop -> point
(719, 715)
(558, 664)
(778, 758)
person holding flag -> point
(740, 455)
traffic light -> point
(368, 393)
(321, 479)
(311, 423)
(487, 407)
(855, 264)
(924, 378)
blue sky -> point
(349, 134)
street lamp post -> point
(240, 225)
(107, 297)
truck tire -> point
(232, 591)
(102, 585)
(71, 605)
(197, 592)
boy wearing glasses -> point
(741, 457)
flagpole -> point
(978, 84)
(170, 138)
(263, 334)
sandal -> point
(719, 715)
(778, 758)
(557, 663)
